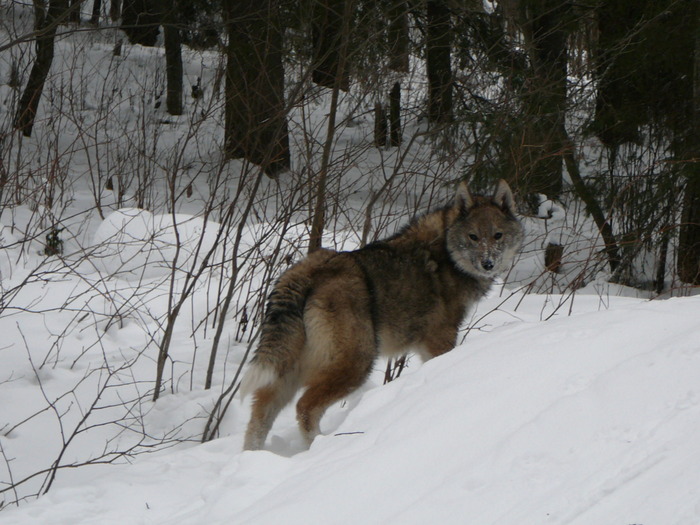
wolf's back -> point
(282, 336)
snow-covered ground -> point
(587, 418)
(556, 407)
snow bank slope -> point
(588, 419)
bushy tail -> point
(257, 376)
(282, 337)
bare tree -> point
(438, 52)
(115, 10)
(140, 21)
(255, 112)
(327, 28)
(543, 24)
(46, 21)
(689, 233)
(173, 56)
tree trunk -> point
(29, 103)
(140, 21)
(380, 125)
(74, 14)
(689, 235)
(115, 10)
(173, 57)
(327, 28)
(688, 263)
(398, 62)
(255, 113)
(545, 99)
(387, 118)
(318, 220)
(618, 115)
(96, 8)
(395, 115)
(398, 36)
(438, 62)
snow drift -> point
(587, 419)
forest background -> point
(161, 162)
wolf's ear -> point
(463, 198)
(503, 197)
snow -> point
(587, 418)
(134, 243)
(557, 406)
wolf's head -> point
(486, 235)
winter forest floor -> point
(563, 404)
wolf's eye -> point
(473, 237)
(497, 235)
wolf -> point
(329, 316)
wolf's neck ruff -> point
(330, 315)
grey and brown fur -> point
(329, 316)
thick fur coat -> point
(329, 316)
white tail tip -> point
(256, 377)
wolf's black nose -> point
(487, 265)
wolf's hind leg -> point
(350, 356)
(267, 403)
(341, 346)
(331, 386)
